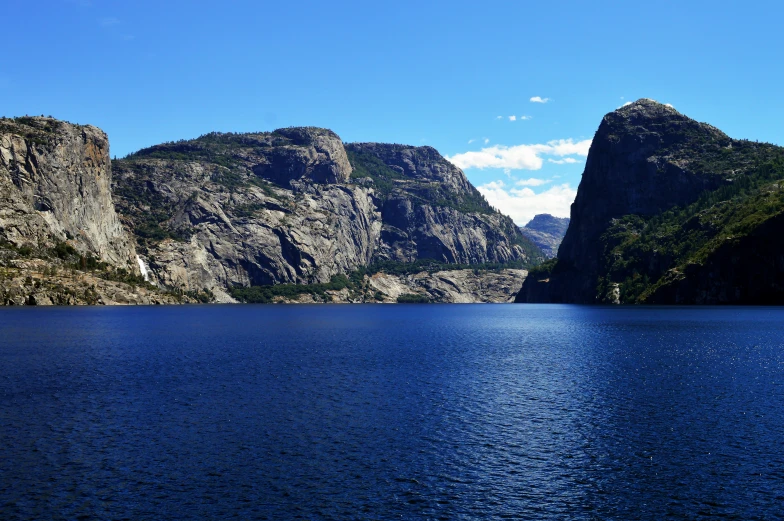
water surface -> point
(391, 412)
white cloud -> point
(486, 140)
(564, 161)
(525, 118)
(519, 157)
(512, 118)
(471, 141)
(499, 117)
(532, 182)
(539, 99)
(521, 204)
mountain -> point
(272, 216)
(547, 232)
(669, 210)
(61, 241)
(296, 206)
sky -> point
(512, 92)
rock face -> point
(292, 206)
(659, 197)
(234, 210)
(547, 232)
(464, 286)
(55, 185)
(429, 209)
(452, 286)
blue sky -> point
(445, 74)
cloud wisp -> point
(520, 157)
(521, 204)
(539, 99)
(532, 181)
(564, 161)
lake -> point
(392, 412)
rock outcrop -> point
(452, 286)
(55, 186)
(660, 193)
(547, 232)
(291, 206)
(465, 286)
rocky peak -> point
(418, 163)
(645, 158)
(544, 222)
(329, 164)
(651, 126)
(547, 232)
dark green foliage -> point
(267, 294)
(204, 296)
(186, 151)
(640, 252)
(63, 250)
(29, 129)
(412, 298)
(543, 270)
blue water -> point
(391, 412)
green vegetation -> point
(29, 129)
(186, 151)
(268, 294)
(543, 270)
(412, 298)
(639, 252)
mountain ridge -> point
(655, 198)
(194, 219)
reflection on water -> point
(391, 412)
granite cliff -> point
(666, 212)
(55, 185)
(296, 206)
(547, 232)
(228, 211)
(61, 241)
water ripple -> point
(391, 412)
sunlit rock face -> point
(297, 206)
(55, 186)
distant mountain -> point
(547, 232)
(670, 211)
